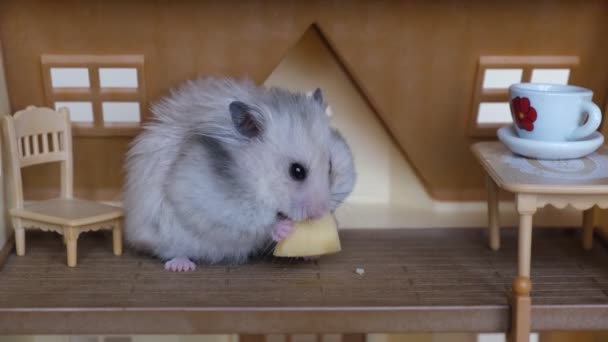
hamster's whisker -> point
(268, 249)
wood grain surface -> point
(409, 284)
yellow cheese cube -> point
(310, 238)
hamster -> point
(224, 168)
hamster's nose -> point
(316, 212)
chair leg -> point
(19, 236)
(588, 229)
(71, 242)
(117, 237)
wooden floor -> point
(414, 280)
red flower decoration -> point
(524, 114)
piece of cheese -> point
(310, 238)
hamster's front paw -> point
(180, 264)
(281, 230)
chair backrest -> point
(38, 135)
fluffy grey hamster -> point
(225, 166)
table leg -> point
(588, 229)
(521, 301)
(117, 237)
(521, 306)
(493, 224)
(525, 245)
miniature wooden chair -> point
(41, 135)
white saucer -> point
(549, 150)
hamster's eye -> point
(330, 166)
(297, 171)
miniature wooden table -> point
(581, 183)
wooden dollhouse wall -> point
(387, 193)
(415, 63)
(4, 110)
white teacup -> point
(552, 112)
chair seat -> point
(68, 212)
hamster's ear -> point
(317, 95)
(244, 121)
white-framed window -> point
(104, 93)
(490, 105)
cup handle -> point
(593, 121)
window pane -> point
(501, 78)
(79, 111)
(555, 76)
(70, 78)
(494, 113)
(118, 77)
(121, 111)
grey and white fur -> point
(226, 166)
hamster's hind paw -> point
(281, 230)
(180, 264)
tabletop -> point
(515, 173)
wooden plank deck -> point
(415, 280)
